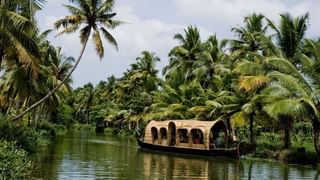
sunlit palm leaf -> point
(252, 83)
(239, 119)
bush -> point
(294, 156)
(25, 137)
(64, 115)
(304, 128)
(48, 128)
(14, 163)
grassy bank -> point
(120, 132)
(269, 146)
(18, 142)
(85, 127)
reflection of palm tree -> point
(317, 175)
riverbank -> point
(269, 146)
(120, 132)
(19, 142)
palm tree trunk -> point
(58, 86)
(316, 134)
(251, 129)
(286, 131)
(88, 116)
(287, 142)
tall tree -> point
(250, 34)
(290, 34)
(92, 18)
(17, 30)
(183, 56)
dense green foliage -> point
(14, 162)
(25, 138)
(264, 83)
(35, 80)
(265, 80)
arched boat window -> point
(218, 135)
(197, 136)
(163, 136)
(183, 135)
(172, 133)
(154, 133)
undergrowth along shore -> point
(271, 149)
(19, 142)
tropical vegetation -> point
(264, 83)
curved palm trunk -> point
(58, 86)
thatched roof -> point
(186, 124)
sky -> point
(151, 24)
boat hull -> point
(227, 152)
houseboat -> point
(189, 137)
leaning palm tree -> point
(92, 18)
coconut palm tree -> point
(146, 69)
(310, 63)
(17, 30)
(258, 71)
(249, 35)
(282, 76)
(92, 18)
(249, 47)
(213, 64)
(183, 56)
(290, 34)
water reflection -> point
(90, 156)
(187, 167)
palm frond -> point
(109, 38)
(98, 44)
(239, 119)
(284, 66)
(289, 82)
(252, 83)
(249, 68)
(286, 107)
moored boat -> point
(189, 137)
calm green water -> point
(85, 155)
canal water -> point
(87, 155)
